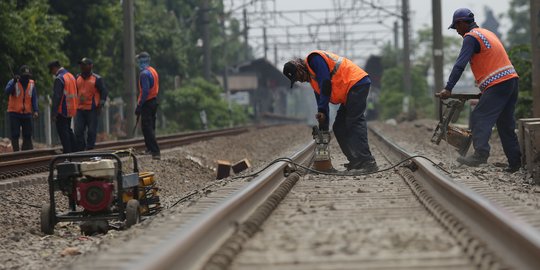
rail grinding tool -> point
(322, 160)
(460, 138)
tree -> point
(31, 36)
(392, 92)
(519, 14)
(520, 56)
(184, 106)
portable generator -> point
(460, 138)
(98, 191)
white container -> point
(99, 168)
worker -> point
(147, 103)
(92, 95)
(498, 82)
(22, 106)
(64, 104)
(338, 80)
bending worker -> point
(22, 106)
(147, 103)
(498, 81)
(64, 104)
(337, 80)
(92, 95)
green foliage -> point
(31, 36)
(35, 32)
(184, 105)
(519, 13)
(392, 92)
(521, 59)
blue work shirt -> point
(58, 92)
(10, 89)
(469, 47)
(147, 81)
(322, 73)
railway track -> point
(36, 161)
(420, 218)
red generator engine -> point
(94, 196)
(94, 191)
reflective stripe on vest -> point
(491, 65)
(154, 90)
(87, 92)
(21, 102)
(69, 96)
(343, 75)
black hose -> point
(347, 173)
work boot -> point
(27, 144)
(365, 166)
(512, 168)
(15, 145)
(156, 156)
(473, 160)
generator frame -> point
(49, 214)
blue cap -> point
(461, 14)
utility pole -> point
(206, 39)
(265, 43)
(535, 38)
(438, 53)
(396, 36)
(406, 60)
(130, 85)
(275, 55)
(225, 70)
(246, 29)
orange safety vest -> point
(492, 65)
(343, 75)
(88, 93)
(155, 88)
(21, 102)
(70, 95)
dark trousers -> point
(148, 125)
(86, 121)
(65, 133)
(16, 124)
(496, 106)
(350, 126)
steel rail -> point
(30, 165)
(516, 242)
(20, 155)
(189, 247)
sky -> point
(367, 39)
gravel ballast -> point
(181, 171)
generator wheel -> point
(47, 223)
(132, 213)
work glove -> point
(138, 110)
(36, 115)
(444, 94)
(321, 118)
